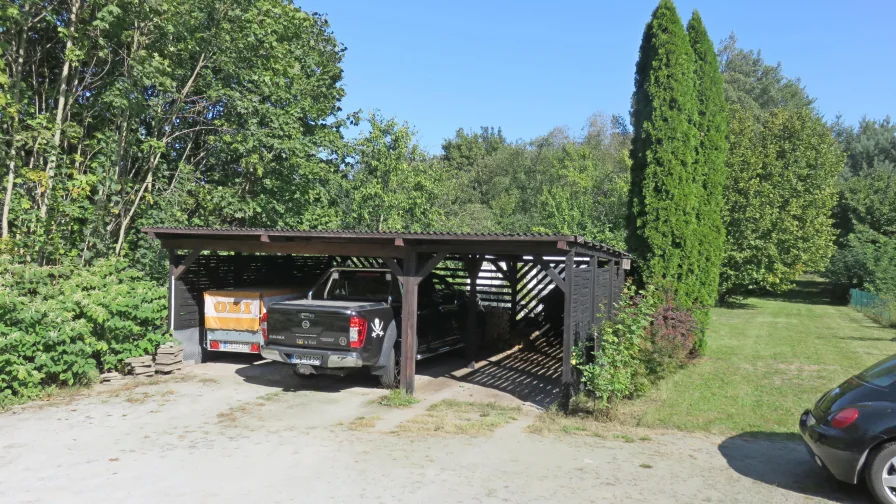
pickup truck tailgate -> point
(313, 324)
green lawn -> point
(767, 360)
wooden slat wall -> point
(583, 303)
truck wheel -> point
(389, 378)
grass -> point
(397, 399)
(363, 423)
(233, 414)
(553, 423)
(451, 417)
(768, 359)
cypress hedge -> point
(664, 196)
(709, 165)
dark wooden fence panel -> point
(583, 303)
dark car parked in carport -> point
(851, 430)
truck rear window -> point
(350, 285)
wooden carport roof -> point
(376, 244)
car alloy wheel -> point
(888, 478)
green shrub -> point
(670, 340)
(650, 337)
(60, 325)
(616, 370)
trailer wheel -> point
(390, 377)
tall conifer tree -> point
(664, 194)
(709, 165)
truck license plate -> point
(313, 360)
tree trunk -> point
(60, 109)
(18, 72)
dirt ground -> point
(239, 431)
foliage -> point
(780, 190)
(879, 309)
(616, 371)
(398, 398)
(755, 86)
(389, 187)
(189, 112)
(59, 325)
(866, 213)
(709, 165)
(670, 339)
(650, 336)
(665, 189)
(556, 183)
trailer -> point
(233, 317)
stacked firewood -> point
(141, 367)
(169, 358)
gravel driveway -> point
(241, 432)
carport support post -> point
(473, 337)
(410, 281)
(611, 299)
(172, 266)
(567, 379)
(513, 273)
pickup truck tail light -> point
(357, 331)
(264, 327)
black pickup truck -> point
(351, 319)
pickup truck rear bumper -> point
(329, 358)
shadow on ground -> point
(276, 375)
(781, 460)
(807, 291)
(531, 373)
(738, 305)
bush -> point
(616, 370)
(670, 341)
(60, 325)
(649, 338)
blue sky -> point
(529, 66)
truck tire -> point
(390, 377)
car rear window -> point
(882, 374)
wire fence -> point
(881, 310)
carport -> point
(512, 271)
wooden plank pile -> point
(141, 367)
(169, 358)
(111, 378)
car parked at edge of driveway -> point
(851, 430)
(352, 319)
